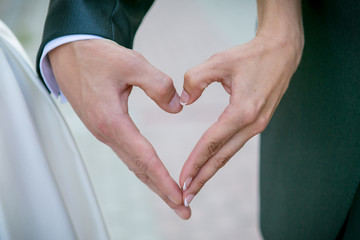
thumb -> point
(160, 88)
(199, 78)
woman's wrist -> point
(280, 26)
(290, 46)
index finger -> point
(140, 156)
(209, 144)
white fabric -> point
(45, 192)
(45, 66)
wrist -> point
(284, 39)
(280, 26)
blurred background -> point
(175, 36)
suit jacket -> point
(117, 20)
(310, 152)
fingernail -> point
(184, 99)
(187, 183)
(188, 200)
(174, 103)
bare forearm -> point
(281, 20)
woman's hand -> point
(256, 75)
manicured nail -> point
(188, 200)
(187, 183)
(174, 103)
(184, 99)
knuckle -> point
(221, 161)
(102, 128)
(196, 80)
(188, 75)
(164, 87)
(143, 177)
(261, 123)
(249, 115)
(146, 165)
(190, 79)
(251, 111)
(213, 147)
(201, 183)
(143, 166)
(99, 136)
(197, 166)
(245, 112)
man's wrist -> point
(45, 66)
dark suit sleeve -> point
(117, 20)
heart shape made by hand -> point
(104, 74)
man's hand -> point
(97, 76)
(256, 75)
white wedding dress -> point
(45, 192)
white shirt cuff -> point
(45, 66)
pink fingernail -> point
(187, 183)
(174, 103)
(184, 99)
(188, 200)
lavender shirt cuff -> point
(45, 66)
